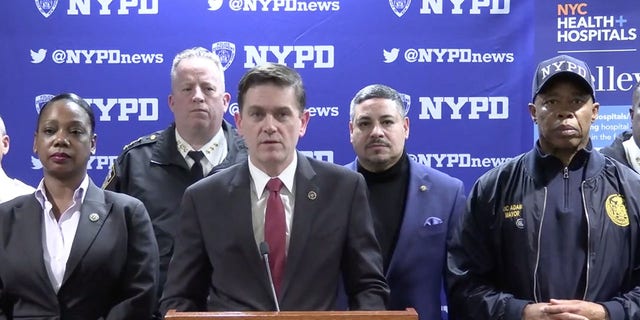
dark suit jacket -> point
(332, 234)
(111, 272)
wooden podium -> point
(409, 314)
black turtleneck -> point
(387, 198)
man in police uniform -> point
(157, 168)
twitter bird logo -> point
(35, 163)
(390, 56)
(215, 5)
(38, 56)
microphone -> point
(264, 251)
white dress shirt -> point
(215, 151)
(260, 194)
(58, 235)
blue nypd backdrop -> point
(464, 66)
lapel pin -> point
(94, 217)
(423, 188)
(312, 195)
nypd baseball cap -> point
(562, 64)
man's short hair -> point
(197, 52)
(377, 91)
(272, 73)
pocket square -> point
(432, 221)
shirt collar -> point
(208, 148)
(633, 153)
(78, 195)
(260, 178)
(549, 165)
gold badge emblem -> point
(616, 210)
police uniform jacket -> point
(152, 169)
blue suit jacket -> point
(435, 201)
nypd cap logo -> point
(562, 64)
(226, 51)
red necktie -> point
(275, 229)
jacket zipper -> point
(586, 214)
(535, 270)
(565, 175)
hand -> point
(535, 311)
(574, 309)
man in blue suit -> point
(413, 206)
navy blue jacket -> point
(492, 256)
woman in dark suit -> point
(72, 250)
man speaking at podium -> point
(314, 217)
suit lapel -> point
(303, 216)
(239, 202)
(93, 213)
(28, 224)
(414, 212)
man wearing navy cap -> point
(553, 233)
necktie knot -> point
(274, 185)
(196, 155)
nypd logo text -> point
(459, 160)
(108, 7)
(282, 5)
(466, 6)
(472, 108)
(101, 7)
(123, 109)
(299, 57)
(400, 7)
(447, 55)
(101, 56)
